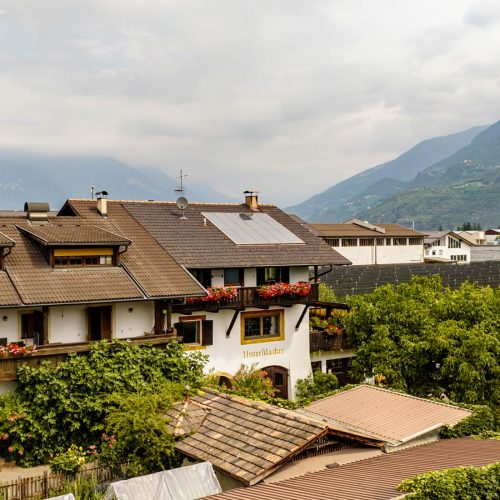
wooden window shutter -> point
(207, 335)
(179, 328)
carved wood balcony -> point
(321, 341)
(248, 297)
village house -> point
(105, 269)
(447, 246)
(365, 244)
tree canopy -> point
(426, 340)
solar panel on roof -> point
(251, 228)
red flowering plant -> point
(216, 294)
(301, 289)
(16, 350)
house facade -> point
(447, 246)
(365, 244)
(211, 277)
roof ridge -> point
(165, 202)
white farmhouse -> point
(447, 246)
(364, 244)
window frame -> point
(279, 313)
(194, 319)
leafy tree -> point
(427, 340)
(317, 385)
(57, 406)
(326, 293)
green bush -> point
(314, 386)
(482, 420)
(71, 461)
(57, 406)
(460, 483)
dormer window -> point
(83, 257)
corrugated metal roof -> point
(387, 415)
(374, 478)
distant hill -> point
(369, 188)
(463, 187)
(53, 178)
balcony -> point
(321, 341)
(57, 353)
(248, 297)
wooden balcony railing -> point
(321, 341)
(57, 353)
(248, 297)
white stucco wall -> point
(133, 323)
(67, 324)
(299, 273)
(324, 356)
(227, 354)
(9, 326)
(404, 254)
(250, 276)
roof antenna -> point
(92, 188)
(181, 178)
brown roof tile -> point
(245, 439)
(156, 272)
(350, 230)
(62, 235)
(8, 294)
(5, 241)
(386, 415)
(196, 242)
(186, 417)
(374, 478)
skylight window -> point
(252, 228)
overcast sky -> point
(286, 97)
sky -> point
(286, 97)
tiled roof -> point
(156, 272)
(196, 242)
(55, 234)
(245, 439)
(186, 417)
(350, 230)
(8, 294)
(5, 241)
(374, 478)
(386, 415)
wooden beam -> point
(233, 321)
(306, 307)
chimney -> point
(37, 212)
(252, 199)
(102, 203)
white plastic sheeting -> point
(68, 496)
(184, 483)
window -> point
(262, 326)
(83, 257)
(399, 241)
(333, 242)
(366, 242)
(349, 242)
(415, 241)
(316, 366)
(233, 276)
(453, 243)
(388, 242)
(459, 258)
(195, 330)
(204, 276)
(380, 242)
(267, 275)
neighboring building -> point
(374, 478)
(103, 269)
(394, 418)
(492, 236)
(448, 246)
(363, 243)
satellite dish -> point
(182, 203)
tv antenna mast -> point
(181, 178)
(181, 202)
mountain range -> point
(54, 178)
(441, 182)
